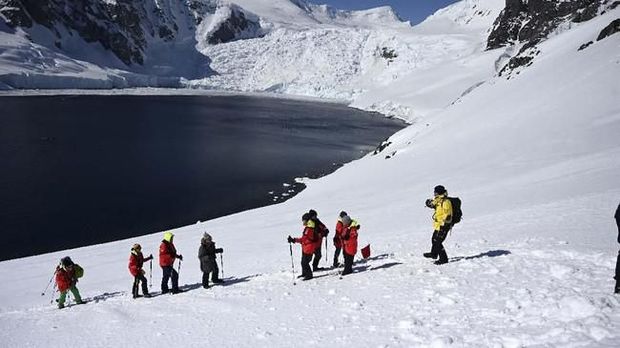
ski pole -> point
(179, 270)
(290, 246)
(222, 262)
(326, 252)
(151, 274)
(48, 284)
(53, 292)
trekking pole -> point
(290, 246)
(48, 284)
(222, 262)
(53, 292)
(151, 274)
(326, 253)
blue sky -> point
(412, 10)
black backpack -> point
(457, 213)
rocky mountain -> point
(528, 22)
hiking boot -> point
(165, 291)
(61, 306)
(147, 295)
(430, 255)
(336, 265)
(440, 262)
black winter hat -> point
(439, 190)
(313, 213)
(66, 261)
(305, 217)
(343, 214)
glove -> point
(290, 239)
(142, 272)
(180, 257)
(429, 203)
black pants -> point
(169, 272)
(348, 263)
(306, 271)
(317, 258)
(214, 271)
(136, 283)
(336, 256)
(437, 248)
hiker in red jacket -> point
(308, 245)
(136, 260)
(321, 231)
(338, 238)
(350, 243)
(167, 255)
(66, 280)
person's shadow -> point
(491, 253)
(227, 282)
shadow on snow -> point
(492, 253)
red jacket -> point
(307, 240)
(65, 279)
(167, 254)
(340, 229)
(350, 243)
(135, 263)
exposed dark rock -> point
(232, 28)
(611, 29)
(14, 14)
(533, 20)
(585, 45)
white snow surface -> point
(535, 159)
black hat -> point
(343, 214)
(313, 213)
(305, 217)
(66, 261)
(439, 190)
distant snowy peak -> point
(463, 15)
(304, 14)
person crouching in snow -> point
(308, 244)
(350, 243)
(167, 255)
(208, 264)
(66, 280)
(136, 260)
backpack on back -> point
(457, 213)
(78, 270)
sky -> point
(413, 10)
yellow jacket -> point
(443, 211)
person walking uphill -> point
(67, 274)
(349, 240)
(167, 255)
(617, 217)
(340, 229)
(206, 254)
(320, 232)
(308, 245)
(136, 261)
(442, 222)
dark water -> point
(79, 170)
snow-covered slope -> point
(535, 159)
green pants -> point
(63, 295)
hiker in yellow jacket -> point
(442, 222)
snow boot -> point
(430, 255)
